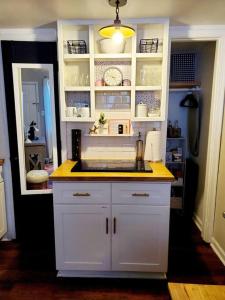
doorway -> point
(33, 210)
(191, 84)
(31, 108)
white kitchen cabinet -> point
(122, 231)
(82, 237)
(140, 238)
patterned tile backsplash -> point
(113, 100)
(78, 99)
(152, 99)
(101, 66)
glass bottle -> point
(169, 129)
(139, 148)
(176, 130)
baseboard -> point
(197, 221)
(5, 239)
(112, 274)
(218, 250)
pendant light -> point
(117, 31)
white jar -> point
(141, 110)
(84, 112)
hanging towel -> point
(192, 102)
(48, 117)
(194, 130)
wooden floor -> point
(193, 291)
(27, 273)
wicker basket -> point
(76, 47)
(149, 45)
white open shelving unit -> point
(111, 135)
(78, 72)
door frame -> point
(217, 34)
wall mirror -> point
(35, 122)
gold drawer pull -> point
(140, 195)
(81, 195)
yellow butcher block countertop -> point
(63, 173)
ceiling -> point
(44, 13)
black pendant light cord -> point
(117, 20)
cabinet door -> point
(3, 226)
(82, 237)
(140, 238)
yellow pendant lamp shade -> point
(109, 31)
(117, 28)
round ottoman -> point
(37, 180)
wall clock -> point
(113, 76)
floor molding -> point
(197, 221)
(218, 250)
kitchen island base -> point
(112, 228)
(108, 274)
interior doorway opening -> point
(191, 84)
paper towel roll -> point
(153, 146)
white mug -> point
(69, 111)
(84, 112)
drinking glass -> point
(74, 79)
(82, 79)
(142, 77)
(86, 80)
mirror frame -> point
(17, 86)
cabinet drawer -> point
(141, 193)
(82, 193)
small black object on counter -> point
(76, 144)
(120, 129)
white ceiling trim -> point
(28, 34)
(197, 32)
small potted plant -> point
(103, 128)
